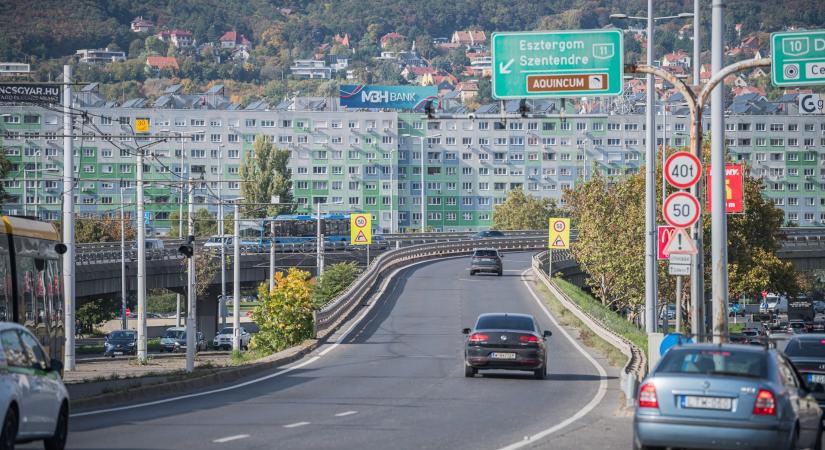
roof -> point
(162, 62)
(392, 36)
(474, 36)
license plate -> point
(118, 353)
(816, 378)
(499, 355)
(697, 402)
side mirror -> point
(466, 331)
(547, 333)
(56, 365)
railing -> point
(636, 365)
(340, 308)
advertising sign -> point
(559, 238)
(811, 104)
(30, 93)
(734, 189)
(665, 234)
(386, 97)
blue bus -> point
(295, 228)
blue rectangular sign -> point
(386, 97)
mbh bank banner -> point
(386, 97)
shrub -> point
(284, 316)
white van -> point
(775, 303)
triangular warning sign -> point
(680, 243)
(360, 237)
(558, 242)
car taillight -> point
(647, 396)
(528, 339)
(765, 404)
(478, 338)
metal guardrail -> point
(340, 308)
(636, 366)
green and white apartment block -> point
(370, 161)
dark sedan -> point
(122, 342)
(506, 341)
(807, 353)
(488, 234)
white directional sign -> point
(681, 209)
(675, 258)
(683, 170)
(678, 269)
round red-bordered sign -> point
(681, 209)
(559, 226)
(682, 170)
(360, 221)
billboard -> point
(30, 93)
(386, 97)
(811, 104)
(734, 189)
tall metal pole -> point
(319, 241)
(68, 220)
(180, 202)
(678, 304)
(222, 232)
(236, 283)
(124, 323)
(650, 186)
(697, 48)
(271, 254)
(25, 190)
(697, 281)
(423, 196)
(141, 263)
(664, 151)
(191, 299)
(718, 221)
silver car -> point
(726, 397)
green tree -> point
(102, 229)
(206, 224)
(335, 279)
(523, 212)
(93, 313)
(265, 174)
(284, 316)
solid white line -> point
(272, 375)
(346, 413)
(589, 406)
(296, 424)
(231, 438)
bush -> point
(334, 281)
(284, 316)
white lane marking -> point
(346, 413)
(231, 438)
(272, 375)
(529, 440)
(296, 424)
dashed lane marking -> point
(230, 438)
(296, 424)
(346, 413)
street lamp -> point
(236, 278)
(319, 247)
(123, 258)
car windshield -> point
(723, 362)
(122, 335)
(504, 322)
(485, 254)
(175, 334)
(227, 330)
(809, 348)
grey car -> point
(486, 260)
(506, 341)
(724, 397)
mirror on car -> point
(547, 333)
(466, 331)
(56, 365)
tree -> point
(205, 223)
(334, 280)
(523, 212)
(102, 229)
(5, 165)
(265, 174)
(284, 316)
(93, 313)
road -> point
(395, 381)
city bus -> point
(31, 283)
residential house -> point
(392, 38)
(311, 68)
(677, 58)
(342, 40)
(469, 38)
(231, 39)
(686, 32)
(736, 81)
(155, 64)
(467, 90)
(178, 38)
(705, 73)
(100, 56)
(415, 73)
(445, 86)
(338, 63)
(141, 25)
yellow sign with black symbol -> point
(559, 238)
(142, 125)
(360, 229)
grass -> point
(152, 345)
(240, 357)
(736, 327)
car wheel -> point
(61, 431)
(500, 272)
(539, 374)
(472, 272)
(470, 372)
(8, 435)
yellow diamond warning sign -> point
(360, 229)
(559, 238)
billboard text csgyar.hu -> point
(357, 96)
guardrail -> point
(341, 308)
(636, 365)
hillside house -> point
(141, 25)
(178, 38)
(155, 64)
(100, 56)
(469, 38)
(231, 39)
(393, 38)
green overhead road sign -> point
(798, 58)
(557, 64)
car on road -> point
(174, 340)
(725, 396)
(34, 403)
(488, 234)
(819, 307)
(807, 353)
(223, 340)
(120, 342)
(506, 341)
(669, 311)
(486, 260)
(796, 327)
(215, 242)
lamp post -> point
(319, 237)
(236, 278)
(222, 303)
(124, 322)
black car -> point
(122, 342)
(488, 234)
(506, 341)
(807, 353)
(486, 260)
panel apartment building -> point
(368, 161)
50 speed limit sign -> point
(683, 170)
(681, 209)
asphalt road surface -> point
(395, 381)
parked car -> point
(121, 342)
(488, 234)
(669, 311)
(223, 340)
(725, 396)
(34, 402)
(796, 327)
(174, 340)
(807, 353)
(819, 307)
(215, 242)
(486, 260)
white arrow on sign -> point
(505, 68)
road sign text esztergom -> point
(557, 64)
(798, 58)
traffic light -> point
(188, 248)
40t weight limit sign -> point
(683, 170)
(681, 210)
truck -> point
(801, 308)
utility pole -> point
(697, 49)
(651, 263)
(180, 217)
(191, 298)
(124, 323)
(718, 221)
(141, 263)
(236, 285)
(222, 304)
(319, 241)
(271, 254)
(68, 221)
